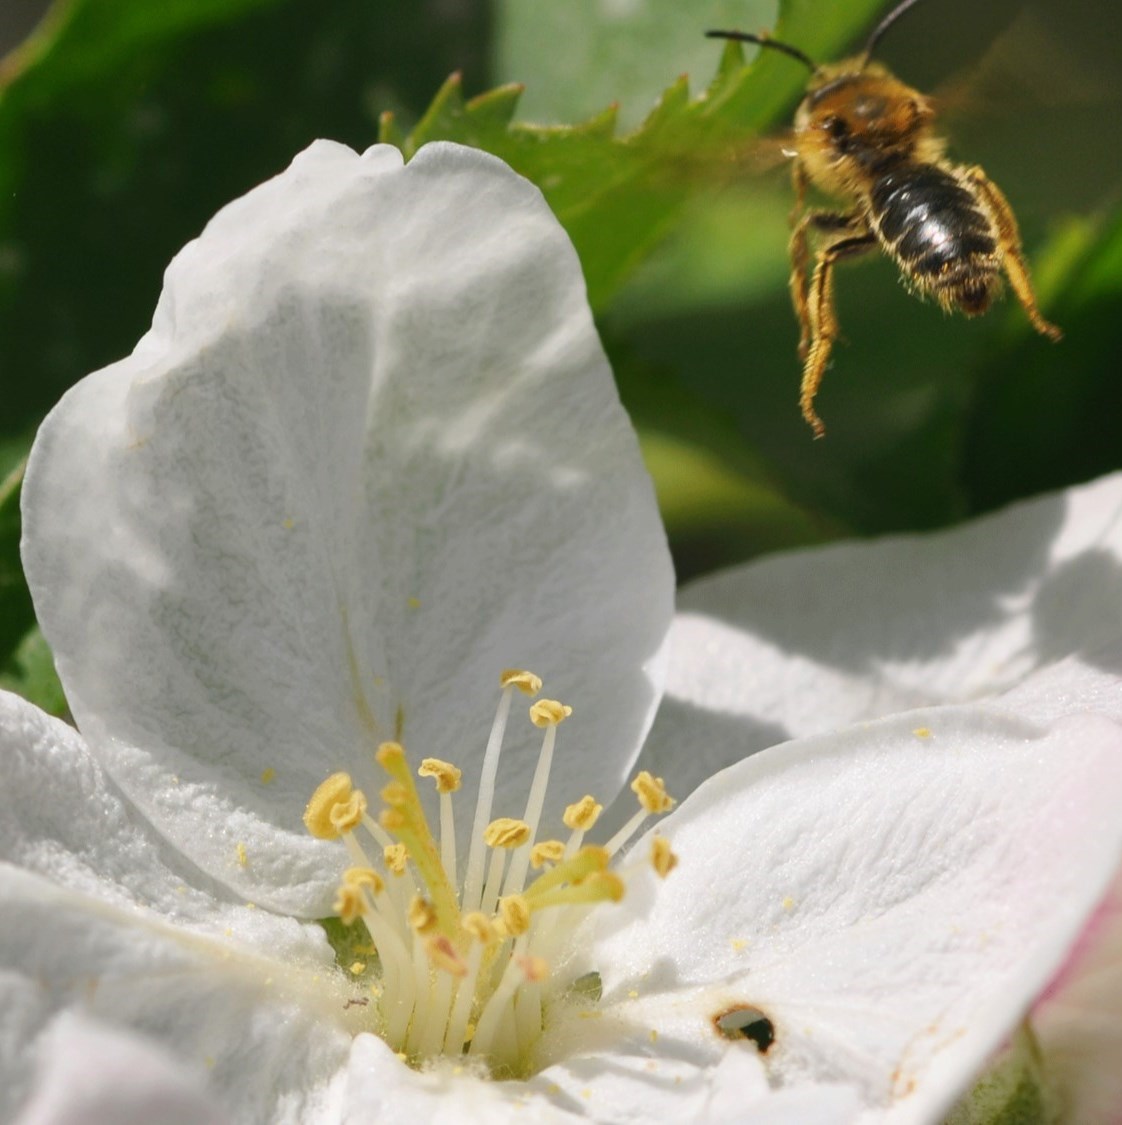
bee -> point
(863, 136)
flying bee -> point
(863, 136)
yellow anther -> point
(514, 915)
(364, 878)
(317, 815)
(582, 814)
(347, 815)
(479, 926)
(395, 856)
(442, 953)
(546, 851)
(663, 860)
(422, 915)
(447, 775)
(392, 820)
(506, 832)
(534, 969)
(548, 713)
(526, 682)
(394, 794)
(358, 968)
(349, 903)
(389, 754)
(652, 793)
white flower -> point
(370, 455)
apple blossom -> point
(368, 457)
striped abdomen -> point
(934, 227)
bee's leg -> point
(799, 249)
(823, 321)
(1009, 238)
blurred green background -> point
(124, 125)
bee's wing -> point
(1027, 64)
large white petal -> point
(613, 1087)
(90, 1073)
(62, 818)
(891, 897)
(369, 455)
(809, 641)
(272, 1037)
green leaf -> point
(16, 614)
(1059, 404)
(1011, 1092)
(31, 673)
(125, 125)
(618, 195)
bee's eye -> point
(835, 126)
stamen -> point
(406, 819)
(528, 684)
(514, 914)
(506, 832)
(546, 851)
(469, 975)
(663, 860)
(447, 778)
(547, 714)
(335, 790)
(653, 798)
(580, 817)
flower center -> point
(469, 968)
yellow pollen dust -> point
(583, 814)
(506, 832)
(514, 915)
(447, 775)
(549, 713)
(526, 682)
(652, 794)
(546, 851)
(335, 790)
(268, 775)
(663, 860)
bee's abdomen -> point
(932, 225)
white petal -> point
(61, 818)
(650, 1087)
(800, 643)
(273, 1037)
(891, 897)
(92, 1074)
(369, 455)
(611, 1087)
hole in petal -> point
(743, 1021)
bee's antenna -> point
(765, 41)
(882, 27)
